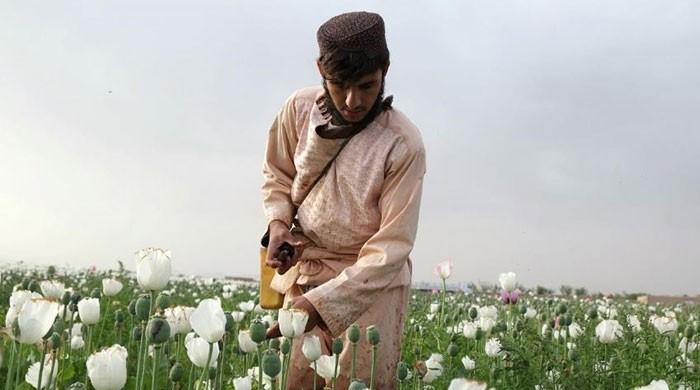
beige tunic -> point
(360, 220)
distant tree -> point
(581, 292)
(541, 290)
(565, 290)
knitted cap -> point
(353, 31)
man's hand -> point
(279, 234)
(300, 303)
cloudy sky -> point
(562, 136)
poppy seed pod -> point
(274, 344)
(357, 385)
(143, 306)
(136, 332)
(162, 301)
(354, 333)
(229, 321)
(119, 316)
(257, 332)
(337, 346)
(54, 341)
(271, 364)
(452, 349)
(59, 326)
(132, 307)
(176, 373)
(402, 371)
(473, 313)
(158, 330)
(285, 346)
(95, 293)
(372, 335)
(523, 309)
(34, 286)
(65, 299)
(592, 313)
(689, 331)
(561, 308)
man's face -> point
(354, 100)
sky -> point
(562, 137)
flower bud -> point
(95, 293)
(285, 346)
(372, 335)
(257, 332)
(354, 333)
(34, 286)
(561, 308)
(136, 332)
(176, 373)
(402, 371)
(271, 364)
(337, 346)
(75, 298)
(357, 385)
(230, 323)
(158, 330)
(65, 299)
(473, 313)
(452, 350)
(162, 301)
(592, 313)
(119, 316)
(143, 305)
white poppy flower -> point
(208, 320)
(246, 343)
(52, 289)
(466, 384)
(493, 347)
(468, 363)
(107, 368)
(198, 351)
(507, 281)
(608, 331)
(32, 376)
(111, 287)
(153, 267)
(35, 320)
(325, 367)
(312, 348)
(292, 322)
(89, 311)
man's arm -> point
(279, 169)
(343, 299)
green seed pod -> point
(119, 316)
(500, 327)
(473, 313)
(34, 286)
(372, 335)
(158, 330)
(452, 350)
(568, 319)
(54, 342)
(543, 317)
(258, 331)
(550, 302)
(402, 371)
(592, 313)
(65, 299)
(274, 344)
(285, 346)
(561, 308)
(136, 332)
(51, 271)
(132, 307)
(354, 333)
(59, 326)
(230, 323)
(143, 305)
(689, 331)
(176, 373)
(75, 298)
(162, 301)
(357, 385)
(95, 293)
(271, 364)
(573, 356)
(523, 309)
(337, 346)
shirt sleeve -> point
(343, 299)
(278, 168)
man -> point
(357, 217)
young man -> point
(356, 219)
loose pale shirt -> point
(359, 221)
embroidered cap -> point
(353, 31)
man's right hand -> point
(279, 234)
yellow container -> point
(269, 298)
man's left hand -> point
(300, 303)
